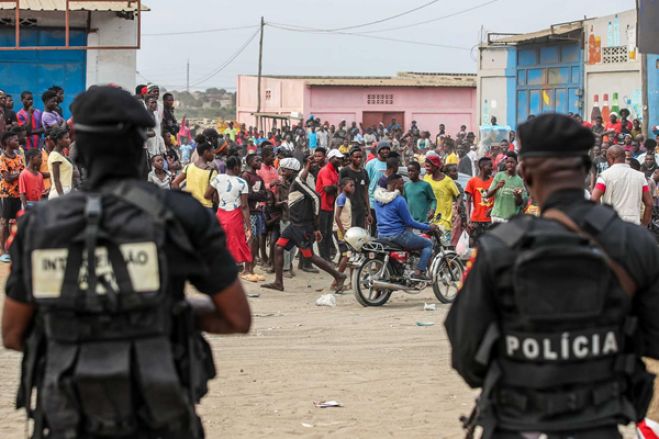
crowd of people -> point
(280, 191)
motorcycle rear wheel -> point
(365, 294)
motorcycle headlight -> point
(446, 239)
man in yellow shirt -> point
(444, 189)
(452, 157)
(231, 132)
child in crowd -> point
(11, 165)
(343, 220)
(158, 174)
(31, 182)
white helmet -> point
(356, 237)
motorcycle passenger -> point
(395, 220)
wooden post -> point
(258, 85)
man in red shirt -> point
(613, 127)
(327, 187)
(478, 206)
(268, 172)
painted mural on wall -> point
(605, 103)
(611, 40)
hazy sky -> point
(162, 58)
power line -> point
(203, 31)
(382, 20)
(226, 63)
(432, 20)
(373, 37)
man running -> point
(304, 228)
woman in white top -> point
(59, 166)
(233, 214)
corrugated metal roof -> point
(405, 79)
(559, 29)
(60, 5)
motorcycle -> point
(382, 267)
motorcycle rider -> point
(395, 221)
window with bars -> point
(380, 99)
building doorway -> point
(373, 118)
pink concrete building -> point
(428, 98)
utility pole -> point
(187, 77)
(258, 86)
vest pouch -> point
(166, 401)
(60, 405)
(202, 360)
(103, 381)
(641, 390)
(580, 291)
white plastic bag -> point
(326, 300)
(462, 248)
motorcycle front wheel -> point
(446, 278)
(363, 279)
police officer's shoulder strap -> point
(156, 208)
(626, 281)
(511, 232)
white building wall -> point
(612, 63)
(493, 86)
(112, 66)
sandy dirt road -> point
(392, 376)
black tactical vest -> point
(112, 354)
(562, 355)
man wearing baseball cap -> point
(327, 184)
(557, 310)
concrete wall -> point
(496, 85)
(112, 66)
(613, 64)
(278, 95)
(429, 106)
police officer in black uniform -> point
(557, 310)
(95, 295)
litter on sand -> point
(326, 300)
(253, 295)
(429, 307)
(307, 425)
(425, 323)
(326, 404)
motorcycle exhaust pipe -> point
(389, 286)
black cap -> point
(554, 135)
(104, 109)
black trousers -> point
(325, 245)
(359, 218)
(374, 226)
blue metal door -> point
(549, 79)
(38, 70)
